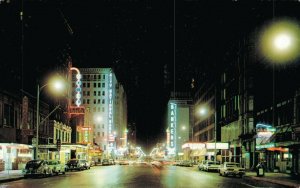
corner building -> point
(101, 99)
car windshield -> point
(33, 164)
(72, 162)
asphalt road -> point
(143, 175)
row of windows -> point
(87, 101)
(88, 85)
(98, 134)
(99, 85)
(96, 93)
(90, 76)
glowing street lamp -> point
(279, 41)
(57, 85)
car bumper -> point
(234, 173)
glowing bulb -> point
(282, 41)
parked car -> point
(37, 168)
(56, 166)
(211, 166)
(112, 162)
(105, 162)
(75, 164)
(87, 164)
(231, 168)
(186, 163)
(123, 162)
(201, 164)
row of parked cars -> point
(225, 169)
(53, 167)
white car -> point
(211, 166)
(201, 164)
(231, 169)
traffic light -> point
(58, 144)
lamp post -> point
(203, 111)
(279, 44)
(57, 86)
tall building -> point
(180, 120)
(105, 104)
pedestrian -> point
(260, 169)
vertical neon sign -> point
(78, 87)
(173, 109)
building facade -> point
(105, 114)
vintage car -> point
(37, 168)
(211, 166)
(75, 164)
(231, 169)
(56, 167)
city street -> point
(143, 175)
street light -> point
(279, 41)
(57, 85)
(203, 112)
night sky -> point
(134, 37)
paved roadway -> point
(143, 175)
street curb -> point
(273, 181)
(11, 179)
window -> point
(99, 76)
(102, 126)
(95, 84)
(98, 109)
(99, 93)
(103, 101)
(88, 84)
(95, 77)
(88, 93)
(94, 109)
(103, 134)
(98, 133)
(83, 101)
(103, 85)
(103, 109)
(103, 93)
(84, 84)
(95, 93)
(83, 93)
(99, 84)
(98, 102)
(103, 76)
(88, 101)
(94, 101)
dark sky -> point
(134, 37)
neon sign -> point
(173, 122)
(78, 87)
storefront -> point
(67, 152)
(14, 156)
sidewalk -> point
(276, 178)
(10, 175)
